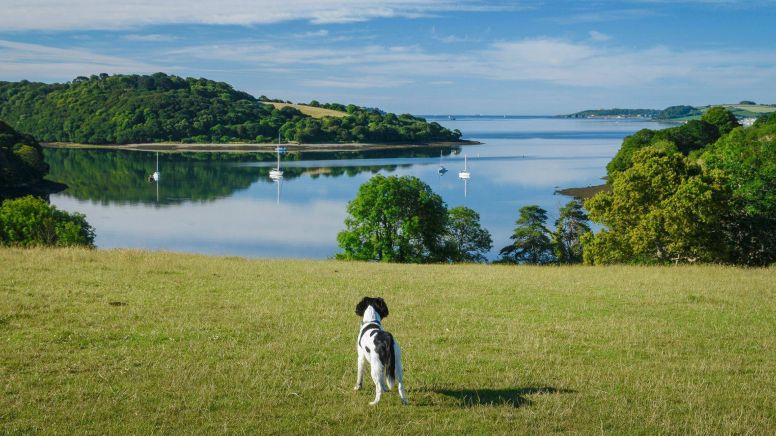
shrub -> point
(30, 221)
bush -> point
(30, 221)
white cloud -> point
(20, 15)
(544, 60)
(152, 37)
(356, 83)
(39, 62)
(598, 36)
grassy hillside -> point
(312, 111)
(131, 342)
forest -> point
(124, 109)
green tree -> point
(465, 240)
(572, 223)
(723, 119)
(663, 208)
(531, 237)
(21, 158)
(394, 219)
(748, 157)
(30, 221)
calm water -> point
(226, 204)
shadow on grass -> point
(513, 397)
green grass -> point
(312, 111)
(132, 342)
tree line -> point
(122, 109)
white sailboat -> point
(442, 170)
(465, 174)
(276, 173)
(155, 176)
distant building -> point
(748, 121)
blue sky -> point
(417, 56)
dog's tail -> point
(385, 350)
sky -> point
(416, 56)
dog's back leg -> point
(360, 374)
(399, 373)
(378, 376)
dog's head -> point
(377, 303)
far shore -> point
(252, 147)
(584, 193)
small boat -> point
(465, 174)
(451, 117)
(155, 176)
(442, 170)
(276, 173)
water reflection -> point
(119, 176)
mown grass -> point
(132, 342)
(312, 111)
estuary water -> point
(226, 204)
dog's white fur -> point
(366, 348)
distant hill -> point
(124, 109)
(614, 113)
(745, 109)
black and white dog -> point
(379, 348)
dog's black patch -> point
(384, 348)
(367, 327)
(367, 349)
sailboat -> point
(442, 170)
(276, 173)
(155, 176)
(464, 174)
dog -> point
(379, 348)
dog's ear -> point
(381, 307)
(363, 305)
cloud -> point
(22, 15)
(153, 37)
(39, 62)
(598, 36)
(356, 83)
(543, 60)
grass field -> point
(312, 111)
(132, 342)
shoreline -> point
(256, 147)
(583, 193)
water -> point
(225, 204)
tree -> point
(465, 239)
(748, 157)
(21, 158)
(394, 219)
(30, 221)
(723, 119)
(572, 223)
(663, 208)
(531, 237)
